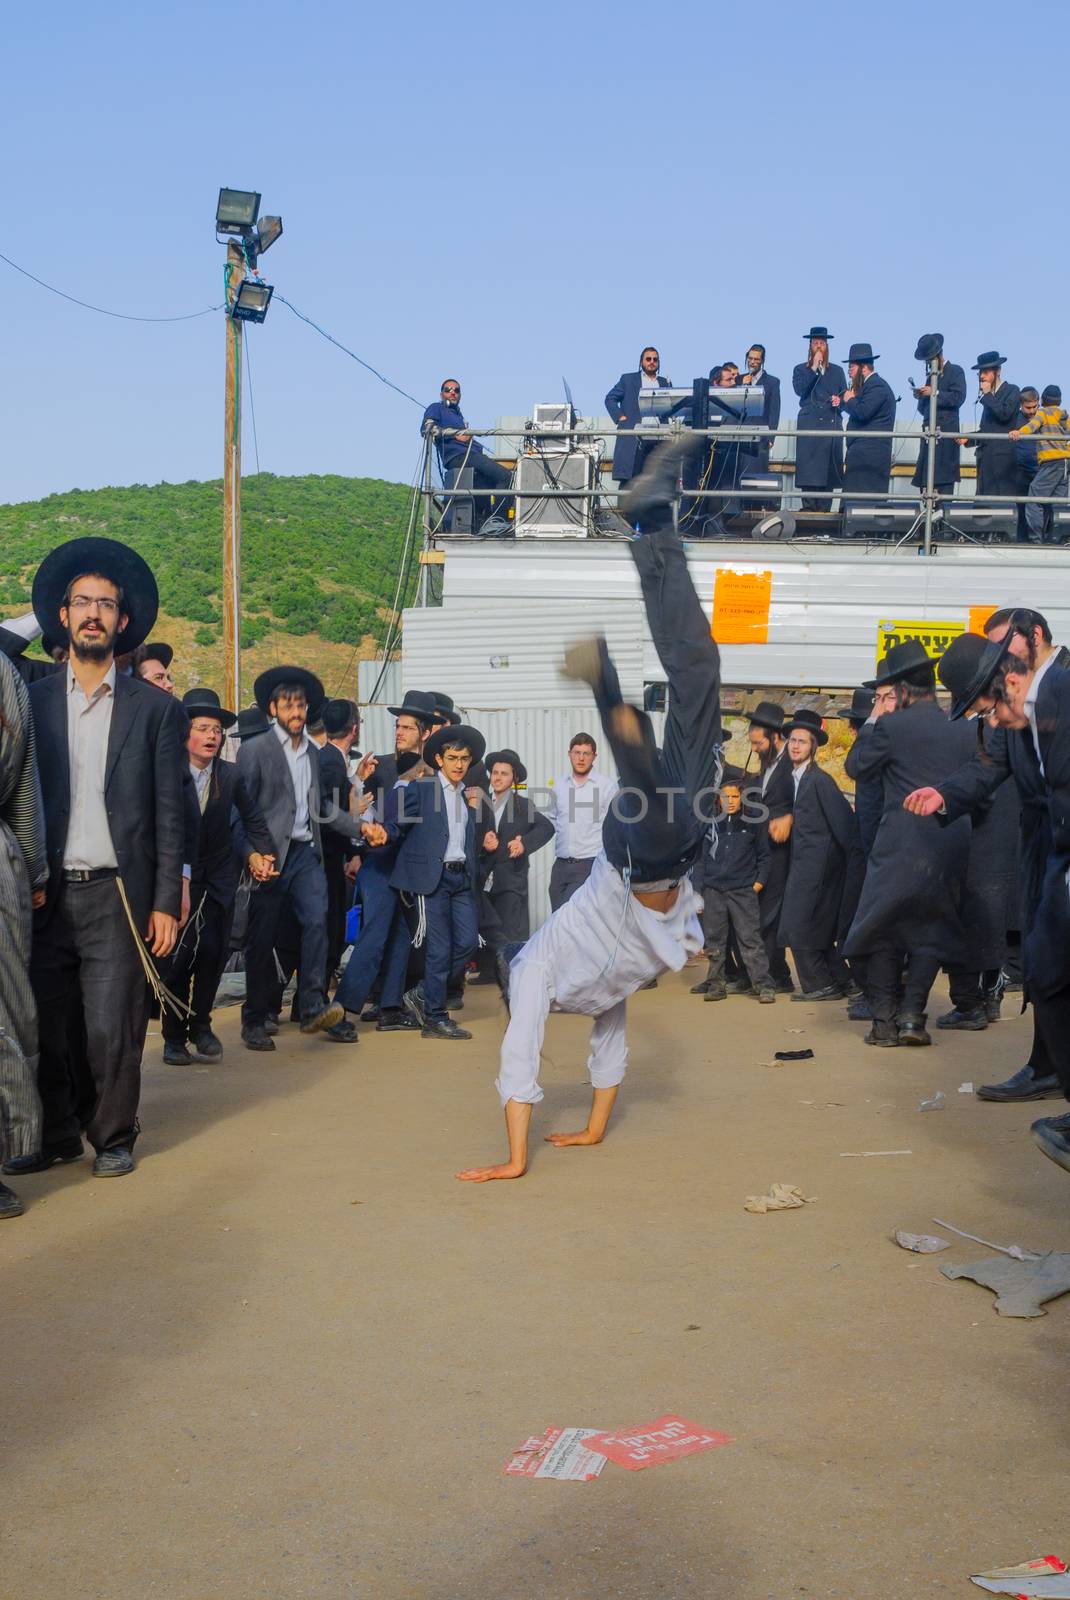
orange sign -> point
(741, 606)
(979, 615)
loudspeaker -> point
(978, 521)
(460, 515)
(876, 521)
(542, 516)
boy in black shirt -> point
(734, 867)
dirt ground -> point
(290, 1356)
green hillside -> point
(319, 561)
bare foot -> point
(584, 1137)
(508, 1169)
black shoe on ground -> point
(912, 1031)
(717, 991)
(993, 1005)
(885, 1034)
(767, 996)
(257, 1038)
(205, 1046)
(854, 991)
(739, 986)
(860, 1011)
(700, 988)
(320, 1021)
(396, 1020)
(832, 991)
(10, 1204)
(1052, 1134)
(784, 986)
(41, 1160)
(113, 1163)
(175, 1054)
(413, 1001)
(271, 1025)
(370, 1014)
(968, 1021)
(342, 1033)
(1024, 1085)
(455, 1000)
(443, 1030)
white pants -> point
(529, 1006)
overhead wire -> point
(122, 316)
(346, 351)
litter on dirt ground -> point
(1043, 1576)
(781, 1197)
(922, 1244)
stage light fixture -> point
(267, 231)
(237, 211)
(251, 301)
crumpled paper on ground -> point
(1020, 1287)
(1045, 1576)
(781, 1197)
(922, 1244)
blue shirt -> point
(451, 452)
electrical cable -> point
(352, 355)
(123, 316)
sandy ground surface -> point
(290, 1356)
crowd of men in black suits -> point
(148, 858)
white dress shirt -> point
(456, 816)
(89, 843)
(202, 778)
(1031, 706)
(299, 762)
(498, 804)
(579, 812)
(797, 774)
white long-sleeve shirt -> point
(579, 812)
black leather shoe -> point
(113, 1163)
(860, 1011)
(968, 1021)
(455, 1000)
(10, 1204)
(42, 1160)
(205, 1046)
(413, 1001)
(1052, 1134)
(342, 1033)
(912, 1031)
(370, 1014)
(443, 1030)
(831, 992)
(175, 1054)
(717, 991)
(1024, 1085)
(320, 1021)
(700, 988)
(884, 1034)
(271, 1025)
(257, 1038)
(396, 1021)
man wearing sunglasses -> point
(457, 449)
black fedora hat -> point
(930, 345)
(988, 358)
(454, 733)
(819, 333)
(265, 686)
(767, 714)
(901, 660)
(202, 702)
(445, 710)
(51, 642)
(809, 722)
(114, 561)
(731, 774)
(966, 669)
(252, 721)
(407, 760)
(858, 711)
(861, 353)
(155, 650)
(416, 703)
(510, 757)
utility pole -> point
(232, 485)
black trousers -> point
(884, 974)
(566, 877)
(735, 912)
(968, 989)
(510, 908)
(338, 900)
(86, 951)
(1052, 1022)
(193, 971)
(302, 887)
(820, 969)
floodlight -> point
(237, 211)
(268, 230)
(252, 301)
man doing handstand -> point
(637, 914)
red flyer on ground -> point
(665, 1439)
(561, 1453)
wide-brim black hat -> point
(966, 669)
(114, 561)
(901, 660)
(930, 345)
(454, 733)
(265, 686)
(520, 771)
(252, 721)
(445, 710)
(988, 358)
(809, 722)
(731, 774)
(858, 711)
(767, 714)
(819, 333)
(407, 759)
(157, 650)
(862, 353)
(416, 703)
(203, 702)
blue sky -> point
(507, 194)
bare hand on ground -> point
(583, 1137)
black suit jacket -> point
(215, 866)
(519, 820)
(622, 403)
(423, 828)
(335, 789)
(142, 789)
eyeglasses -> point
(448, 388)
(82, 602)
